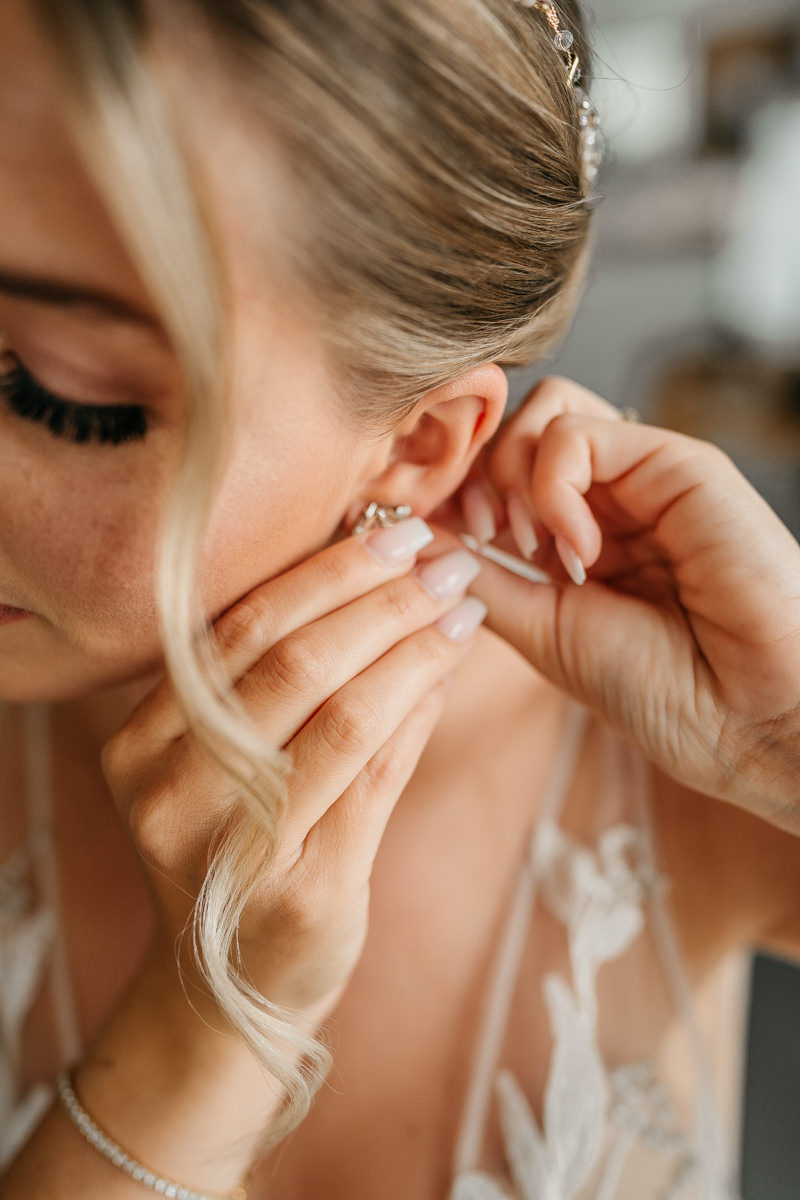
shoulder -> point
(735, 878)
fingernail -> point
(462, 621)
(521, 526)
(447, 576)
(572, 564)
(478, 514)
(398, 542)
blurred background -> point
(692, 316)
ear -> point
(429, 454)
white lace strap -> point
(507, 964)
(40, 813)
(716, 1172)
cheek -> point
(272, 512)
(81, 549)
(79, 544)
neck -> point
(493, 689)
(94, 718)
(495, 701)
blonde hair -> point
(435, 143)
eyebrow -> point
(60, 294)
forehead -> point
(49, 206)
(51, 214)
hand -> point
(686, 634)
(340, 661)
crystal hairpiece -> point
(588, 119)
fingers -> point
(513, 451)
(306, 673)
(498, 493)
(339, 742)
(526, 616)
(323, 583)
(561, 446)
(654, 513)
(355, 824)
(521, 524)
(481, 509)
(643, 470)
(514, 448)
(328, 580)
(311, 664)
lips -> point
(7, 613)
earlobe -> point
(434, 447)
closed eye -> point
(104, 424)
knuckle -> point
(716, 455)
(574, 397)
(605, 408)
(347, 725)
(397, 599)
(287, 889)
(294, 904)
(297, 665)
(432, 652)
(385, 768)
(538, 405)
(707, 457)
(561, 425)
(335, 568)
(116, 756)
(153, 823)
(552, 395)
(545, 389)
(245, 630)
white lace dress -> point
(586, 911)
(32, 955)
(614, 1123)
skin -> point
(77, 549)
(69, 509)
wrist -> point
(174, 1086)
(118, 1156)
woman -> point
(275, 273)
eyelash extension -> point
(104, 424)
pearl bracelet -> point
(111, 1150)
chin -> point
(35, 671)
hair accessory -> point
(377, 516)
(110, 1149)
(588, 119)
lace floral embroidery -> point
(591, 1117)
(26, 939)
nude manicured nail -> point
(478, 514)
(396, 543)
(521, 526)
(572, 564)
(462, 621)
(448, 575)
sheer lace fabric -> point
(591, 998)
(26, 940)
(574, 1092)
(32, 954)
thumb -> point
(580, 638)
(525, 615)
